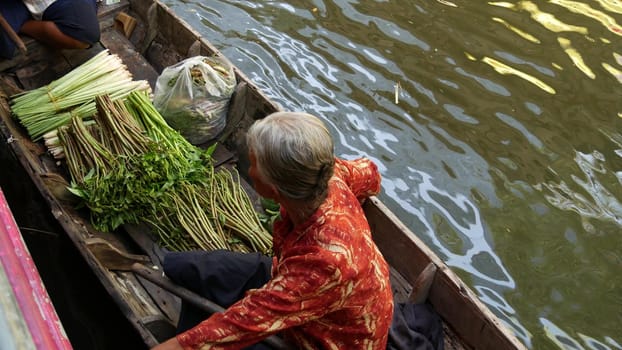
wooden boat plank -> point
(116, 42)
(32, 75)
(185, 36)
(125, 289)
(76, 57)
(168, 303)
(36, 52)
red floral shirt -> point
(330, 285)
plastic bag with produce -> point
(193, 96)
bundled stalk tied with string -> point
(47, 108)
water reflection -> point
(548, 20)
(501, 150)
(602, 203)
(504, 69)
(586, 10)
(575, 56)
(499, 305)
(565, 341)
(518, 31)
(614, 71)
(459, 233)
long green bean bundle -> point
(232, 204)
(132, 167)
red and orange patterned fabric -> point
(330, 285)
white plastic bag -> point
(193, 96)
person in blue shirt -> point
(61, 24)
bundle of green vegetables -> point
(129, 166)
(48, 107)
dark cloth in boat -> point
(75, 18)
(415, 327)
(224, 277)
(220, 276)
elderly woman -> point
(329, 285)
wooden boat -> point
(159, 39)
(28, 318)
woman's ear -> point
(274, 193)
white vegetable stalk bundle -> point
(51, 106)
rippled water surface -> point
(497, 127)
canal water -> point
(496, 125)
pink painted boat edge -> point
(34, 302)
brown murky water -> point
(497, 126)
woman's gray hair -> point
(294, 152)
